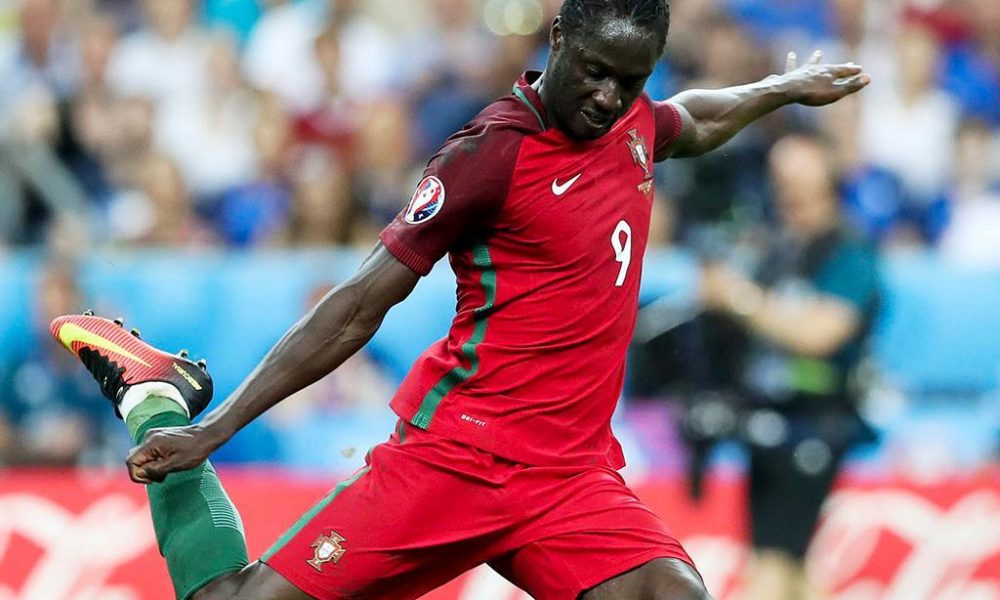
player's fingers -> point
(791, 62)
(854, 83)
(137, 462)
(137, 470)
(846, 70)
(138, 475)
(150, 471)
(140, 455)
(156, 472)
(817, 56)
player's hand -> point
(168, 450)
(815, 84)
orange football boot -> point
(119, 359)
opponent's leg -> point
(197, 528)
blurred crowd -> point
(238, 123)
(275, 123)
(192, 124)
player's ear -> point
(556, 35)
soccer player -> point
(504, 452)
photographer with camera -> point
(806, 314)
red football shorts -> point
(425, 509)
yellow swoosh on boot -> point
(70, 332)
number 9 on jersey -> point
(623, 250)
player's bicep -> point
(676, 131)
(687, 138)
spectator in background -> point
(253, 213)
(87, 117)
(238, 16)
(859, 28)
(972, 237)
(385, 151)
(450, 63)
(159, 212)
(278, 55)
(788, 23)
(208, 130)
(128, 140)
(50, 413)
(336, 118)
(369, 67)
(689, 21)
(38, 61)
(973, 62)
(323, 213)
(511, 55)
(873, 197)
(37, 71)
(807, 315)
(909, 130)
(164, 61)
(34, 184)
(726, 187)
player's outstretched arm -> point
(712, 117)
(337, 327)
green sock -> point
(198, 530)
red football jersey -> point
(546, 237)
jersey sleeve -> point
(669, 126)
(460, 196)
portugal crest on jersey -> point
(640, 154)
(426, 202)
(327, 548)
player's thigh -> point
(585, 530)
(255, 582)
(658, 579)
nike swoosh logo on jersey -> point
(560, 189)
(70, 333)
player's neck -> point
(539, 86)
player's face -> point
(594, 76)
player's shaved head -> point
(651, 16)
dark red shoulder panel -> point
(463, 187)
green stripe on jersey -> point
(304, 519)
(488, 281)
(520, 96)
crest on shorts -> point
(426, 202)
(640, 154)
(327, 548)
